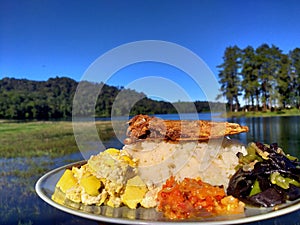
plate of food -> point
(178, 172)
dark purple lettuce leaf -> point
(267, 198)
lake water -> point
(283, 130)
(20, 205)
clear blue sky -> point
(47, 38)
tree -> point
(267, 61)
(249, 73)
(229, 76)
(264, 76)
(284, 81)
(294, 56)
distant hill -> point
(53, 99)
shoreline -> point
(249, 114)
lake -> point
(20, 205)
(282, 130)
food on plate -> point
(134, 192)
(195, 198)
(103, 179)
(192, 157)
(266, 176)
(214, 162)
(147, 127)
(158, 145)
(68, 185)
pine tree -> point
(284, 81)
(295, 77)
(267, 61)
(229, 76)
(249, 73)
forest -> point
(23, 99)
(252, 79)
(264, 78)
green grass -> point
(286, 112)
(30, 139)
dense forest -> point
(265, 78)
(53, 99)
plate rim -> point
(101, 218)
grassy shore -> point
(286, 112)
(30, 139)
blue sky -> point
(47, 38)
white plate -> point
(45, 188)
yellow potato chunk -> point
(134, 192)
(67, 181)
(91, 185)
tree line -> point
(265, 77)
(24, 99)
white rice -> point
(210, 161)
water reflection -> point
(283, 130)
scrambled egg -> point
(109, 178)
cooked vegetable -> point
(255, 189)
(266, 176)
(195, 198)
(102, 180)
(134, 192)
(69, 186)
(91, 185)
(67, 181)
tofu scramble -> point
(109, 178)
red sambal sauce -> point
(192, 198)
